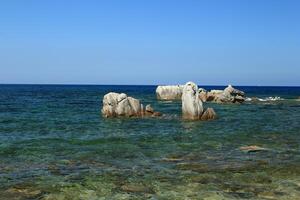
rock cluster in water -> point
(119, 104)
(192, 107)
(169, 92)
(228, 95)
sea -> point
(55, 145)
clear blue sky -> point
(243, 42)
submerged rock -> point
(169, 92)
(198, 167)
(24, 192)
(252, 148)
(192, 107)
(136, 188)
(209, 114)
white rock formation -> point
(228, 95)
(115, 104)
(169, 92)
(192, 107)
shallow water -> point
(54, 144)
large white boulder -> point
(115, 104)
(169, 92)
(192, 107)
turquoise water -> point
(54, 144)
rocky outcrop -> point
(213, 95)
(202, 94)
(192, 107)
(116, 104)
(228, 95)
(169, 92)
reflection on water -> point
(54, 144)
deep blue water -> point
(54, 144)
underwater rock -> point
(169, 92)
(136, 188)
(209, 114)
(252, 148)
(171, 159)
(24, 192)
(198, 167)
(192, 107)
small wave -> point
(276, 98)
(169, 116)
(167, 101)
(272, 99)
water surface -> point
(54, 144)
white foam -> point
(275, 98)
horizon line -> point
(94, 84)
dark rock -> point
(209, 114)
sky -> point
(210, 42)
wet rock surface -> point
(121, 105)
(192, 107)
(169, 92)
(228, 95)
